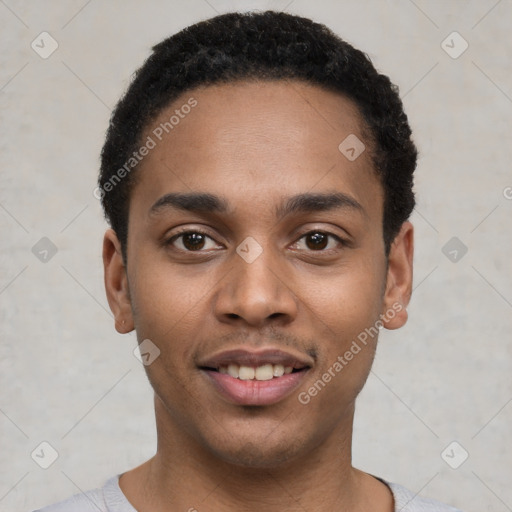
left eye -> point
(192, 241)
(319, 241)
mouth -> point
(255, 378)
(264, 372)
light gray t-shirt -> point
(110, 498)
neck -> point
(185, 476)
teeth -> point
(264, 372)
(246, 373)
(278, 370)
(233, 370)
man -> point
(257, 176)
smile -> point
(264, 372)
(255, 378)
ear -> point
(116, 283)
(399, 278)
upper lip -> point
(254, 358)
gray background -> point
(69, 379)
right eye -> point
(191, 241)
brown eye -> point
(317, 241)
(191, 241)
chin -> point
(253, 455)
(258, 449)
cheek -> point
(169, 306)
(346, 301)
(344, 307)
(169, 309)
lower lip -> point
(255, 392)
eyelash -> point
(341, 241)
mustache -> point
(268, 336)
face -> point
(255, 259)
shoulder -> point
(407, 501)
(90, 501)
(107, 499)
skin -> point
(255, 144)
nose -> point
(256, 292)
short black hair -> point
(262, 46)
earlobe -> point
(116, 283)
(399, 278)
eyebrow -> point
(310, 202)
(191, 202)
(301, 203)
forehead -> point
(258, 141)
